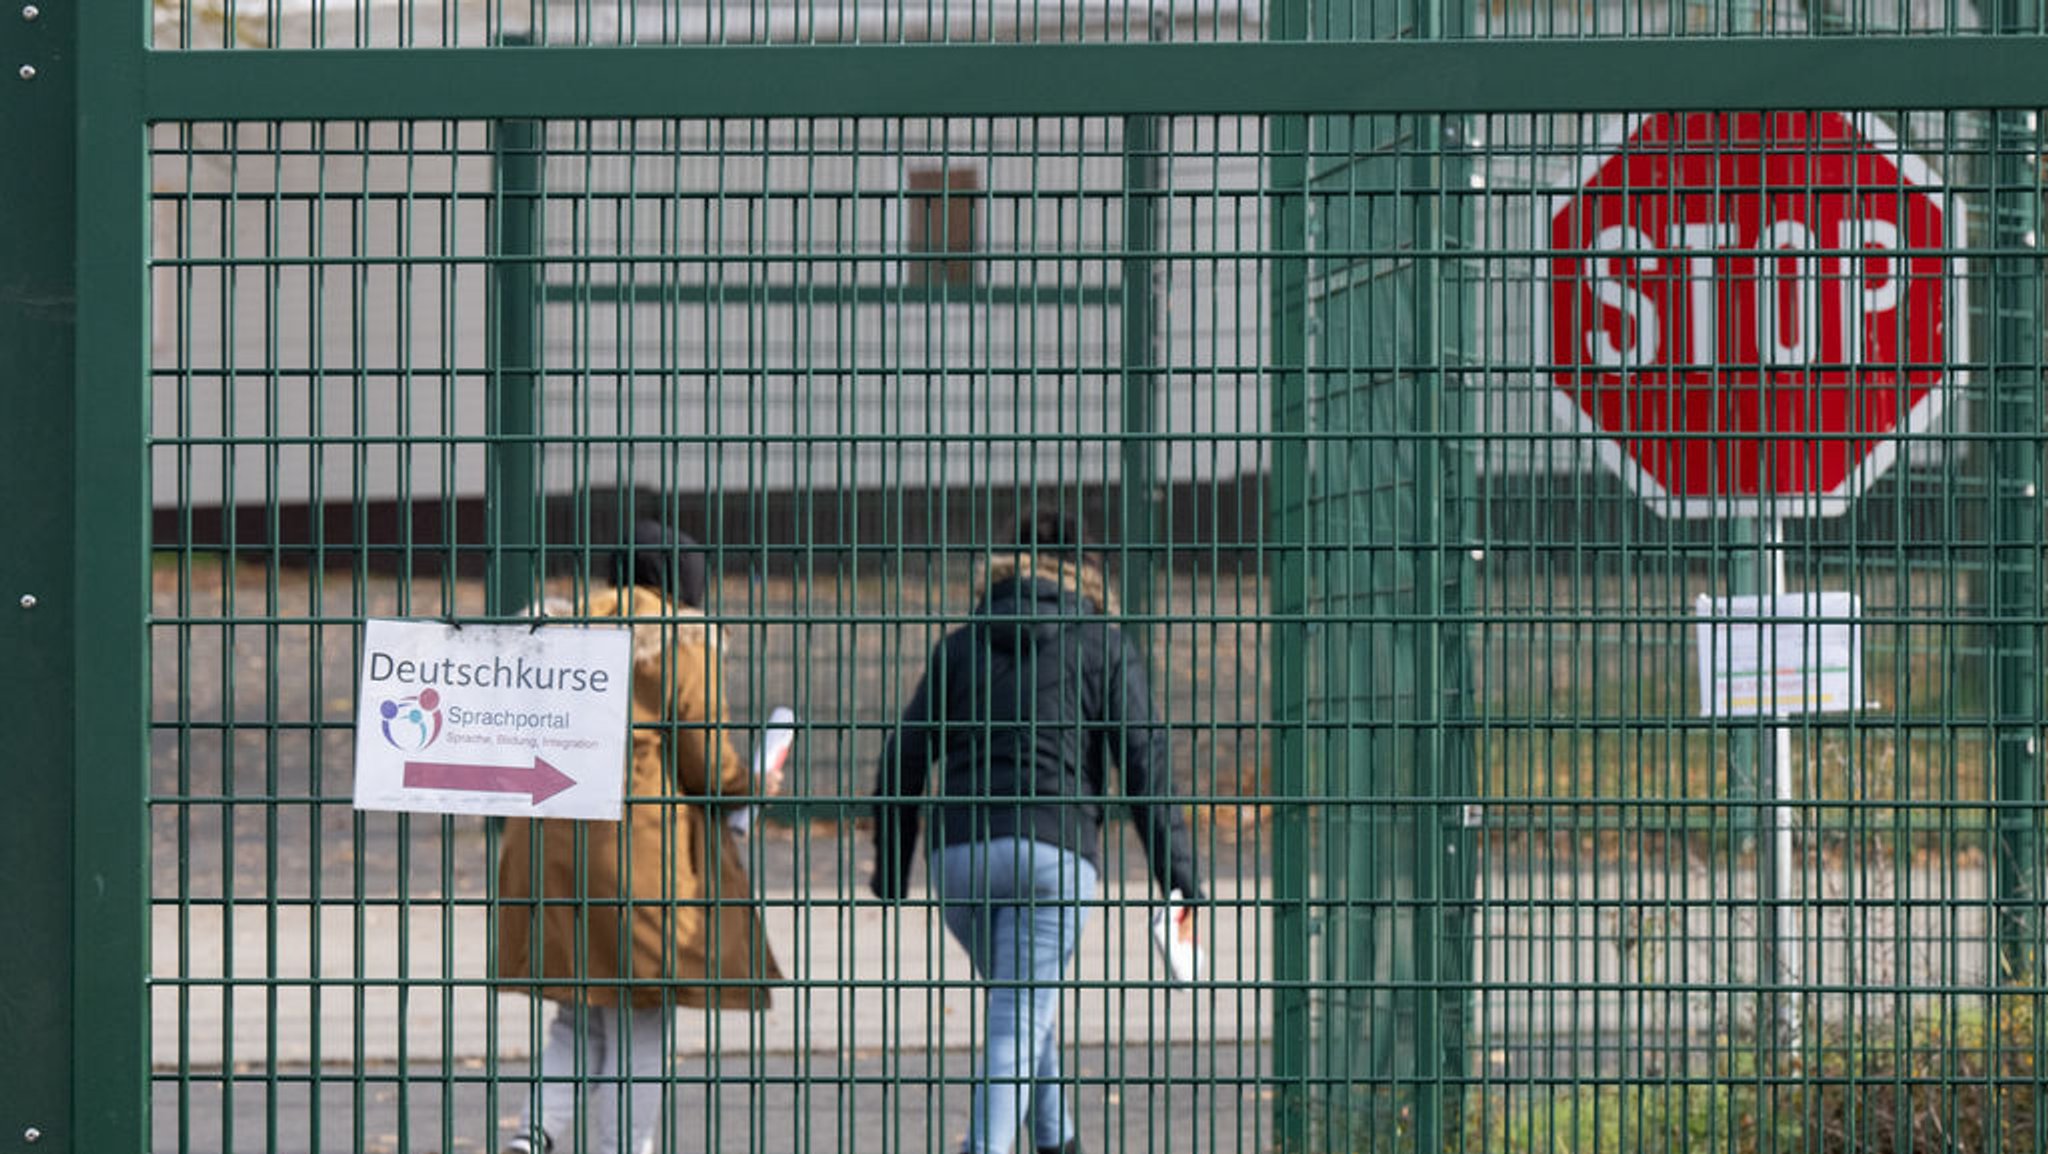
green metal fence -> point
(1500, 420)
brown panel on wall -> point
(941, 207)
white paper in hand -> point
(1173, 934)
(770, 753)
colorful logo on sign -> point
(412, 723)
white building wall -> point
(361, 317)
(795, 357)
(783, 325)
(316, 302)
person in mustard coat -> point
(618, 923)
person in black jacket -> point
(1017, 720)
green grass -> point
(1645, 1119)
(1589, 691)
(1960, 1080)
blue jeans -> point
(1017, 906)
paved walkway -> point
(384, 985)
(1565, 952)
(869, 1049)
(364, 1028)
(1189, 1099)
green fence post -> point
(2016, 546)
(1427, 782)
(38, 615)
(1452, 570)
(1443, 879)
(512, 505)
(1287, 568)
(1138, 446)
(106, 402)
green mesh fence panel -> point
(1492, 417)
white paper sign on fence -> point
(493, 719)
(1777, 656)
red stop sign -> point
(1750, 307)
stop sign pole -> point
(1747, 313)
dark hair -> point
(663, 559)
(1056, 533)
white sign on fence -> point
(1777, 656)
(493, 719)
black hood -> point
(1022, 611)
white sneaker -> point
(523, 1144)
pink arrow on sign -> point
(541, 781)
